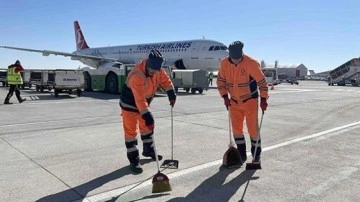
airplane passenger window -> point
(211, 48)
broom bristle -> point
(253, 166)
(160, 183)
(162, 186)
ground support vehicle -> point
(108, 79)
(190, 80)
(3, 75)
(39, 79)
(26, 78)
(66, 80)
(343, 75)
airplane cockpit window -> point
(211, 48)
(223, 47)
(217, 48)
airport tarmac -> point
(72, 148)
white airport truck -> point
(39, 78)
(190, 80)
(66, 80)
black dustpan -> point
(171, 163)
(231, 158)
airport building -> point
(290, 71)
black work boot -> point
(134, 159)
(242, 150)
(241, 146)
(149, 151)
(133, 156)
(22, 100)
(136, 168)
(258, 150)
(7, 102)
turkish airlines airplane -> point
(189, 54)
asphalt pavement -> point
(72, 148)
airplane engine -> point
(179, 64)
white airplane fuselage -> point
(194, 54)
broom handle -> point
(258, 135)
(172, 134)
(231, 143)
(156, 156)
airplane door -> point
(194, 54)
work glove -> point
(172, 97)
(149, 120)
(263, 103)
(226, 101)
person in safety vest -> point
(137, 93)
(240, 76)
(14, 79)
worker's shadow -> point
(214, 189)
(80, 192)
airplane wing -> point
(88, 59)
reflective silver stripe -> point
(254, 144)
(146, 133)
(261, 82)
(127, 105)
(169, 88)
(229, 84)
(243, 84)
(131, 140)
(243, 97)
(240, 141)
(221, 79)
(147, 141)
(144, 111)
(132, 149)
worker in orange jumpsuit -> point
(240, 76)
(136, 96)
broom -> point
(231, 157)
(160, 181)
(256, 165)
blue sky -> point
(321, 34)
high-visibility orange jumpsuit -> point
(137, 93)
(242, 82)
